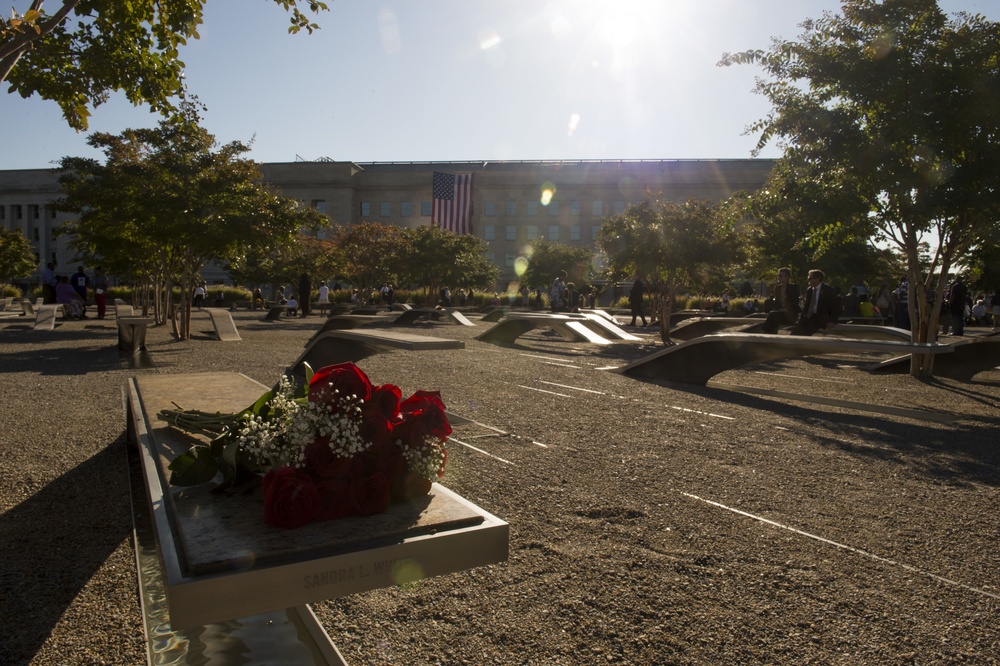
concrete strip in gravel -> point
(650, 523)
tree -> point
(87, 49)
(17, 259)
(669, 245)
(166, 203)
(897, 106)
(367, 255)
(546, 259)
(433, 258)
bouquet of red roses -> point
(336, 447)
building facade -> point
(513, 203)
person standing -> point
(901, 305)
(100, 292)
(958, 293)
(557, 293)
(786, 303)
(305, 294)
(324, 298)
(820, 308)
(635, 297)
(80, 283)
(49, 283)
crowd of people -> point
(74, 291)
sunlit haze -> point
(453, 80)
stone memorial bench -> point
(435, 314)
(341, 346)
(695, 327)
(45, 316)
(345, 321)
(275, 312)
(514, 325)
(132, 334)
(970, 357)
(697, 361)
(222, 322)
(204, 538)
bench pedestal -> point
(221, 561)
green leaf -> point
(193, 467)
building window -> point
(597, 208)
(385, 209)
(574, 232)
(366, 209)
(574, 207)
(489, 208)
(531, 208)
(593, 232)
(320, 206)
(489, 232)
(406, 209)
(35, 232)
(18, 212)
(510, 258)
(320, 235)
(553, 208)
(531, 232)
(619, 207)
(3, 212)
(511, 232)
(511, 208)
(34, 211)
(425, 209)
(553, 232)
(489, 257)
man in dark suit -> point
(786, 303)
(820, 308)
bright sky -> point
(452, 80)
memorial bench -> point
(222, 322)
(45, 316)
(132, 334)
(436, 314)
(514, 325)
(341, 346)
(695, 327)
(970, 357)
(697, 361)
(204, 538)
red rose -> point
(335, 499)
(338, 382)
(412, 433)
(370, 495)
(386, 398)
(290, 498)
(322, 462)
(421, 400)
(375, 427)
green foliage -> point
(367, 254)
(432, 258)
(17, 259)
(85, 50)
(546, 259)
(9, 290)
(888, 115)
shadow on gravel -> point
(54, 542)
(956, 454)
(62, 359)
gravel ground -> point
(650, 524)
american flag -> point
(452, 208)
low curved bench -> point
(970, 357)
(513, 326)
(697, 361)
(696, 327)
(353, 345)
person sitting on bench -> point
(292, 306)
(821, 307)
(786, 303)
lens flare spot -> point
(488, 39)
(520, 266)
(388, 28)
(407, 573)
(574, 122)
(548, 191)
